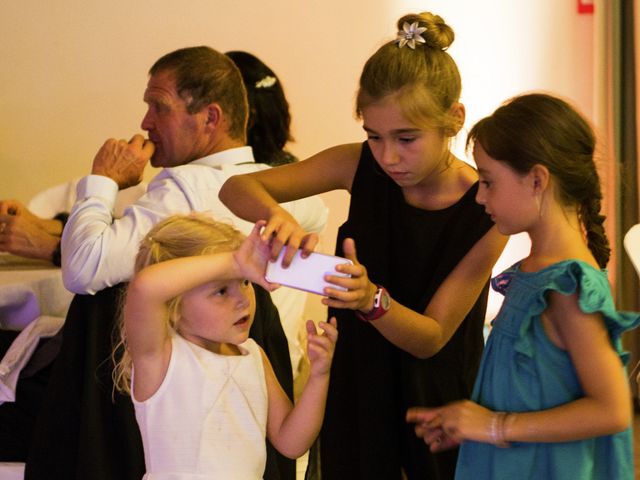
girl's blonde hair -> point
(175, 237)
(426, 79)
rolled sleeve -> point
(98, 251)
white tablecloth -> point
(29, 289)
(34, 301)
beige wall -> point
(73, 71)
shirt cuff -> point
(98, 186)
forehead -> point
(161, 86)
(483, 160)
(208, 286)
(386, 114)
(488, 165)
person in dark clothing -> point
(411, 320)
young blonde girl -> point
(205, 394)
(551, 399)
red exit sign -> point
(585, 6)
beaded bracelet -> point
(496, 429)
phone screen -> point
(305, 273)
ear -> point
(540, 177)
(458, 113)
(213, 116)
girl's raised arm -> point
(257, 195)
(145, 311)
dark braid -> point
(593, 222)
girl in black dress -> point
(411, 321)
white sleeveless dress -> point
(208, 418)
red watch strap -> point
(378, 309)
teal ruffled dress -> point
(523, 371)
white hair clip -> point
(266, 82)
(410, 34)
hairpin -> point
(410, 34)
(266, 82)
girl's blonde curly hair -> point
(175, 237)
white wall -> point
(73, 71)
(506, 47)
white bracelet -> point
(496, 429)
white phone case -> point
(306, 273)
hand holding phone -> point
(306, 273)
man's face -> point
(179, 136)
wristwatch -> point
(381, 305)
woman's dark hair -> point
(269, 118)
(542, 129)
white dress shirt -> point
(98, 251)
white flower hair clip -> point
(266, 82)
(410, 34)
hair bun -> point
(438, 34)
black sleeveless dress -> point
(410, 251)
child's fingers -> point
(355, 281)
(429, 416)
(432, 435)
(256, 232)
(421, 429)
(321, 341)
(308, 244)
(270, 229)
(311, 328)
(259, 225)
(330, 329)
(268, 286)
(443, 443)
(351, 283)
(317, 348)
(349, 250)
(356, 271)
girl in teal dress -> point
(551, 400)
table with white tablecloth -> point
(29, 289)
(33, 300)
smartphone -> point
(306, 273)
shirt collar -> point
(231, 156)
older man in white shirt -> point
(196, 122)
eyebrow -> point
(398, 131)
